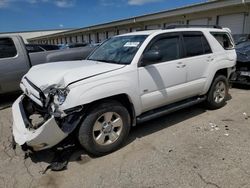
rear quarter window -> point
(224, 40)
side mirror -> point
(150, 57)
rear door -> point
(13, 64)
(198, 56)
(162, 82)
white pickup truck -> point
(129, 79)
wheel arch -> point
(223, 71)
(122, 98)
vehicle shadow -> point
(164, 122)
(73, 152)
(241, 86)
(7, 100)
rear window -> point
(224, 40)
(195, 44)
(7, 48)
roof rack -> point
(190, 26)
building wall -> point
(210, 17)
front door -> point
(13, 65)
(161, 82)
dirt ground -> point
(194, 147)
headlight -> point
(60, 96)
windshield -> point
(119, 50)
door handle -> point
(180, 65)
(210, 59)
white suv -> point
(129, 79)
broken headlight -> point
(60, 96)
(56, 97)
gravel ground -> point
(190, 148)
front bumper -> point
(44, 137)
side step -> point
(152, 114)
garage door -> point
(203, 21)
(172, 24)
(122, 31)
(234, 21)
(86, 38)
(92, 38)
(111, 34)
(136, 29)
(101, 37)
(158, 26)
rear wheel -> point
(105, 128)
(216, 97)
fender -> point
(213, 70)
(90, 92)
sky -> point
(26, 15)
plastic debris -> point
(245, 115)
(227, 120)
(214, 127)
(226, 134)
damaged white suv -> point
(129, 79)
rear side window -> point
(32, 49)
(195, 44)
(224, 40)
(168, 46)
(7, 48)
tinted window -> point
(7, 48)
(196, 44)
(169, 47)
(49, 47)
(224, 40)
(206, 47)
(32, 48)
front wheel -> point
(218, 92)
(105, 128)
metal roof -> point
(198, 7)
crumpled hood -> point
(64, 73)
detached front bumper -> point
(44, 137)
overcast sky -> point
(22, 15)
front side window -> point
(7, 48)
(118, 50)
(196, 44)
(169, 48)
(224, 40)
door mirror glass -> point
(151, 56)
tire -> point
(105, 128)
(218, 93)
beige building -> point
(234, 14)
(31, 34)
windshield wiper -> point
(106, 61)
